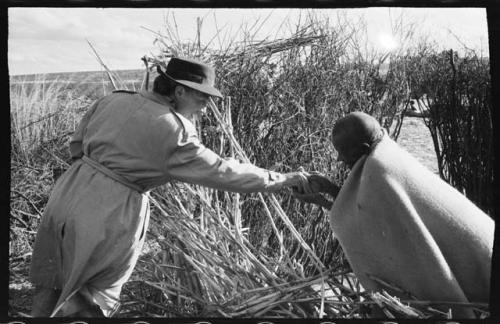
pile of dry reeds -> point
(199, 263)
(283, 96)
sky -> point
(49, 40)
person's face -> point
(190, 101)
(347, 151)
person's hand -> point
(298, 181)
(320, 183)
(313, 198)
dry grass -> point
(458, 96)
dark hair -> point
(164, 86)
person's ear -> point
(365, 148)
(179, 91)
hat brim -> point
(211, 91)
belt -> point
(101, 168)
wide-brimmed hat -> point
(192, 74)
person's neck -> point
(187, 114)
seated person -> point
(398, 222)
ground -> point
(415, 137)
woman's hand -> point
(318, 184)
(298, 181)
(313, 198)
(321, 183)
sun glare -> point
(387, 42)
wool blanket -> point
(399, 222)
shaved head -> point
(361, 127)
(354, 135)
